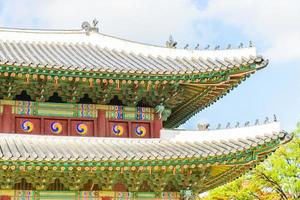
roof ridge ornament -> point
(267, 120)
(90, 28)
(275, 118)
(207, 47)
(251, 44)
(171, 43)
(241, 45)
(203, 126)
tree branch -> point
(274, 184)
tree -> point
(278, 177)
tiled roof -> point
(206, 159)
(76, 50)
(174, 144)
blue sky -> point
(272, 25)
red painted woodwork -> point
(157, 126)
(106, 198)
(101, 123)
(1, 122)
(36, 125)
(146, 125)
(7, 119)
(47, 126)
(97, 127)
(122, 124)
(119, 187)
(5, 197)
(88, 123)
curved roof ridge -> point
(220, 134)
(28, 30)
(116, 43)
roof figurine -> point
(202, 126)
(257, 122)
(217, 47)
(241, 45)
(275, 118)
(171, 43)
(88, 28)
(250, 44)
(228, 125)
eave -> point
(74, 63)
(205, 161)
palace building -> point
(85, 115)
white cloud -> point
(276, 22)
(147, 20)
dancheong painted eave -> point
(184, 81)
(204, 158)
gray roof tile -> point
(93, 57)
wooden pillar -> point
(101, 126)
(130, 132)
(7, 119)
(157, 126)
(42, 125)
(1, 120)
(69, 127)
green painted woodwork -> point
(160, 175)
(183, 94)
(54, 109)
(88, 195)
(129, 113)
(133, 77)
(78, 110)
(129, 116)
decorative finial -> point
(88, 28)
(257, 122)
(203, 126)
(85, 26)
(95, 22)
(275, 118)
(266, 120)
(250, 44)
(171, 43)
(228, 125)
(197, 46)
